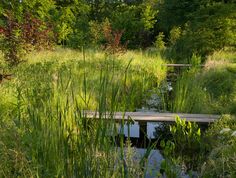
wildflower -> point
(234, 134)
(225, 130)
(169, 87)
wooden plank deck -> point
(156, 117)
(180, 65)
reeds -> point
(55, 138)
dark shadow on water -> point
(156, 131)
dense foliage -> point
(220, 140)
(201, 154)
(24, 26)
(116, 64)
(185, 27)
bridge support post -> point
(143, 134)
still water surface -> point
(134, 129)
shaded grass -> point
(208, 90)
(190, 96)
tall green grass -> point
(44, 129)
(211, 89)
(190, 95)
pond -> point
(134, 129)
(148, 132)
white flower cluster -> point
(169, 86)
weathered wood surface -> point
(180, 65)
(155, 117)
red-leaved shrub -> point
(20, 37)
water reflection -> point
(134, 129)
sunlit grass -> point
(208, 90)
(228, 55)
(44, 131)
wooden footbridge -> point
(153, 116)
(143, 117)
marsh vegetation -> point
(59, 59)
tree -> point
(23, 27)
(212, 28)
(176, 13)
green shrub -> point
(159, 43)
(175, 34)
(25, 26)
(220, 139)
(212, 28)
(185, 147)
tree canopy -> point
(187, 27)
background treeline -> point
(180, 28)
